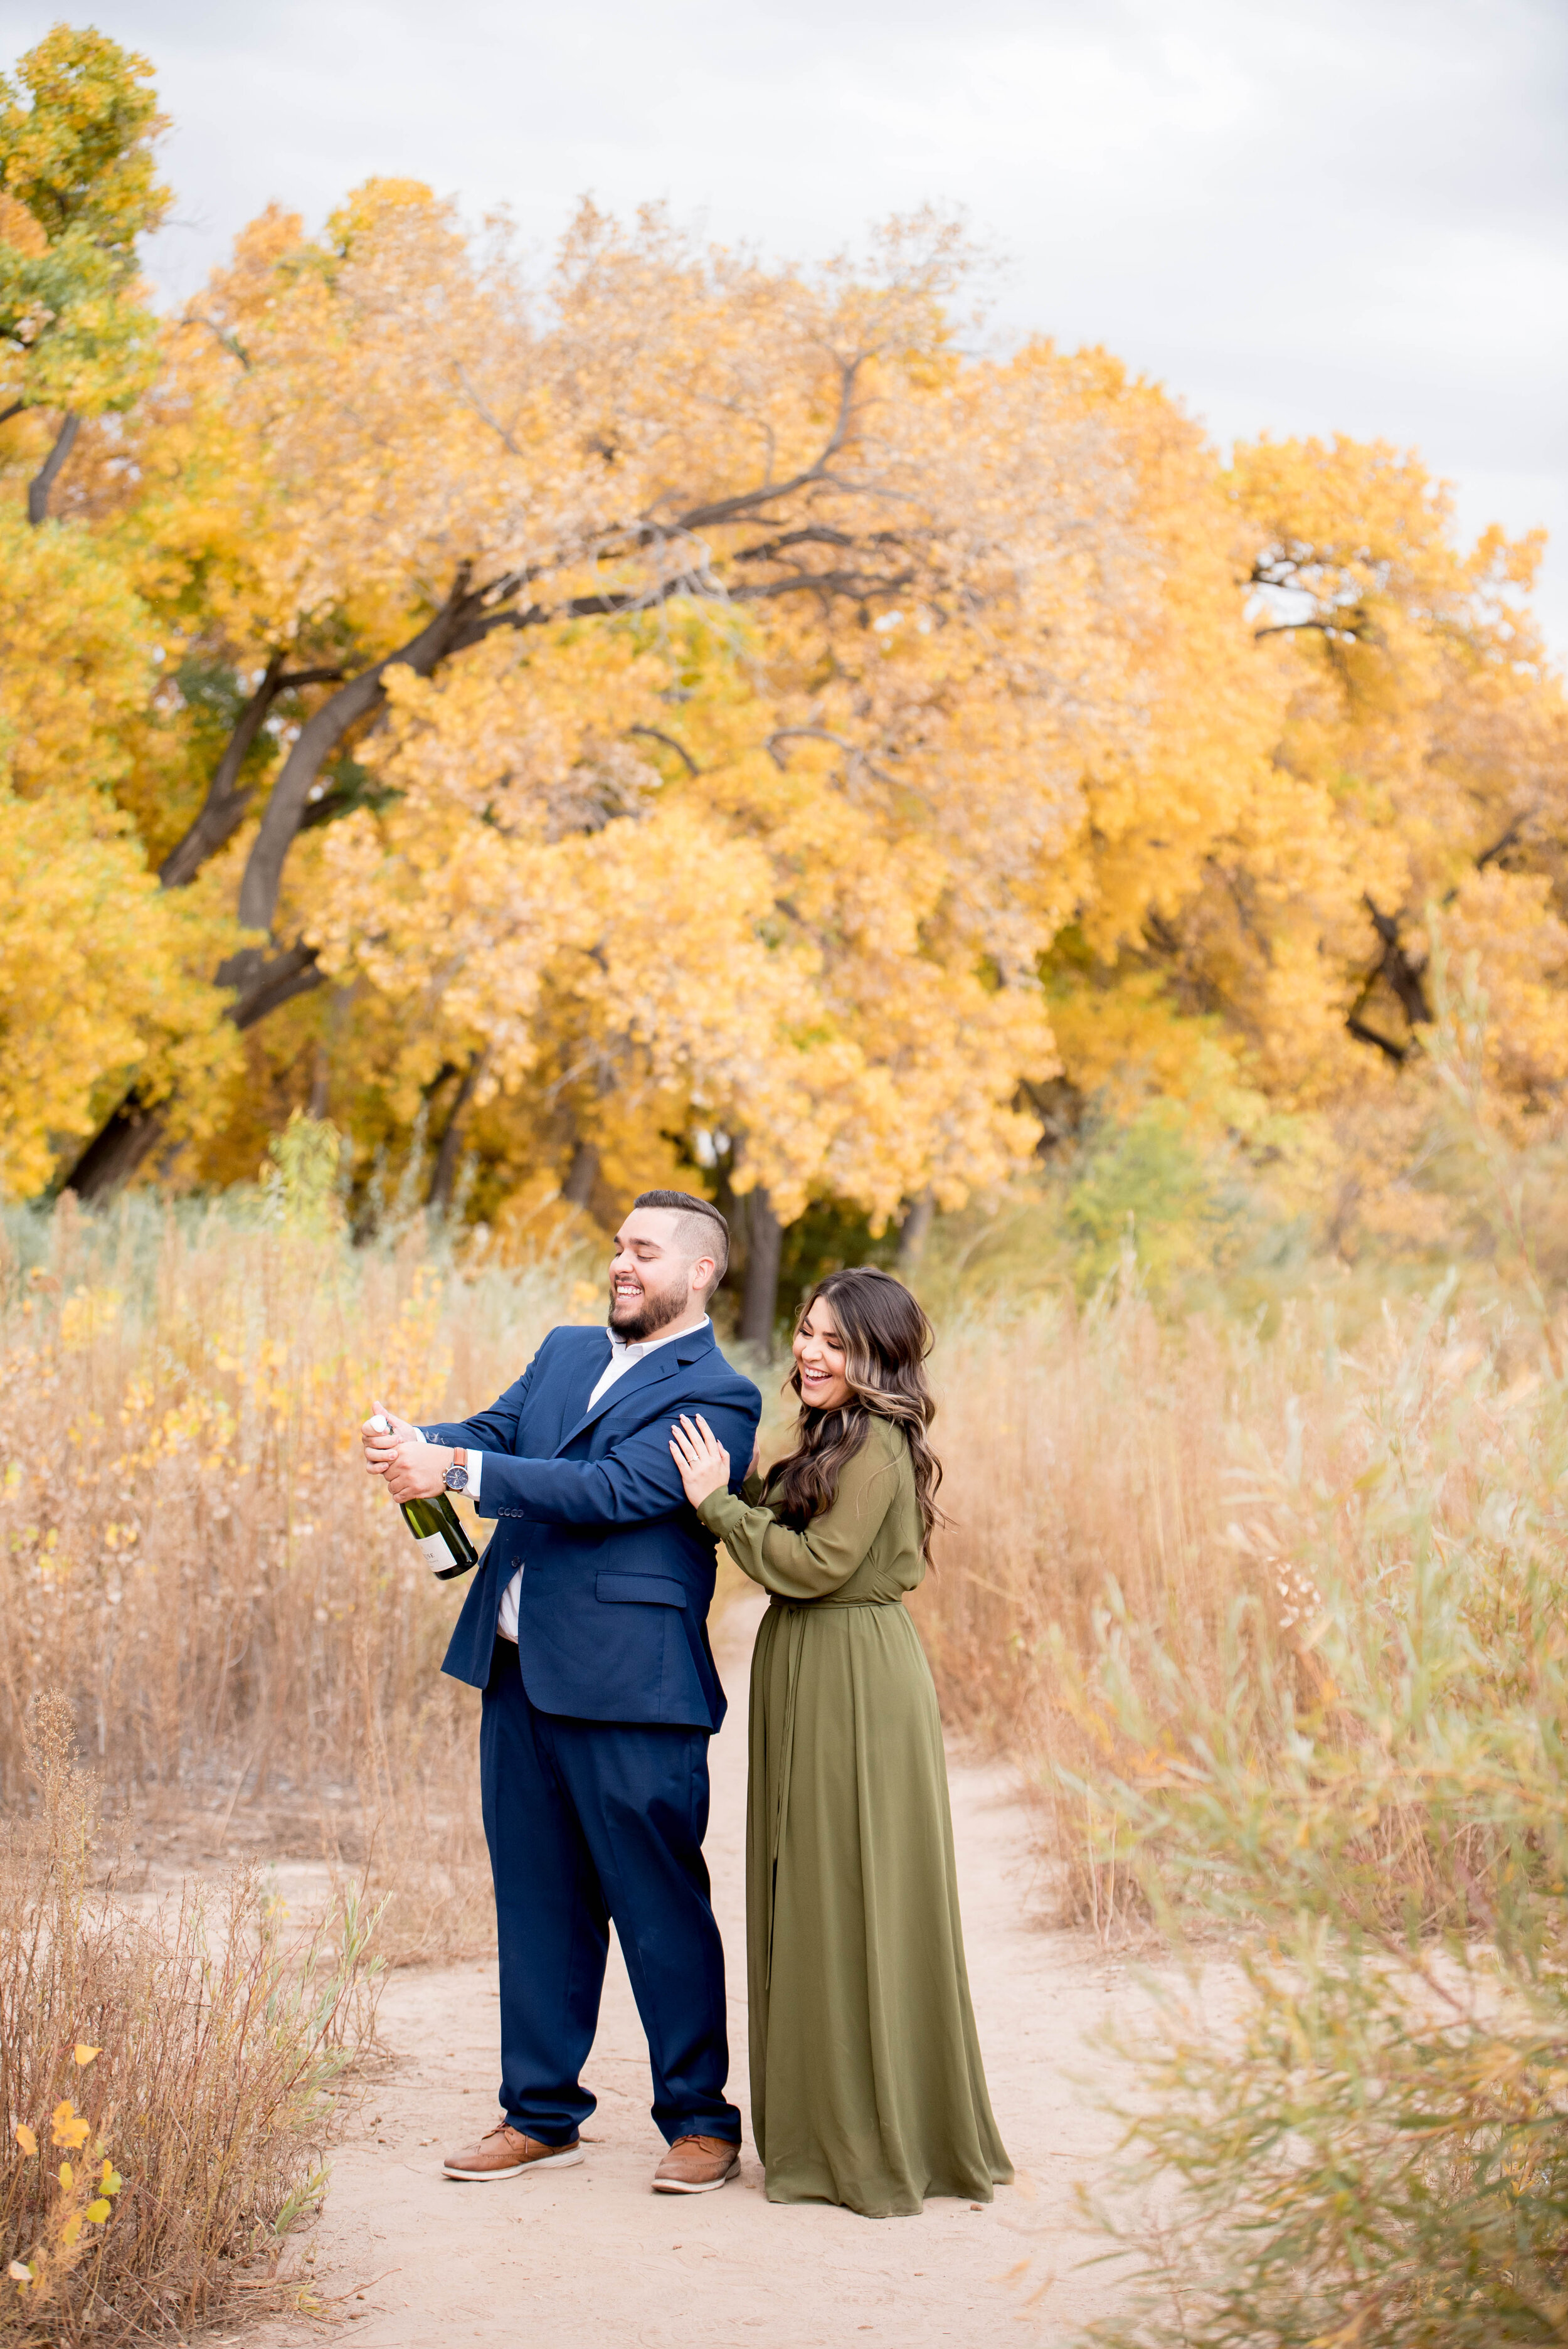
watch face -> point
(456, 1480)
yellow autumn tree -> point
(834, 594)
(681, 697)
(1419, 756)
(77, 187)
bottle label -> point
(437, 1551)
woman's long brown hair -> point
(886, 1340)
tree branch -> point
(481, 411)
(1501, 846)
(1403, 974)
(48, 473)
(229, 339)
(444, 1179)
(670, 744)
(264, 985)
(224, 809)
(855, 586)
(224, 804)
(851, 750)
(1365, 1035)
(814, 534)
(725, 510)
(131, 1131)
(320, 736)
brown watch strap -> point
(461, 1459)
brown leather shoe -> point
(696, 2165)
(505, 2152)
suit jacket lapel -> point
(661, 1364)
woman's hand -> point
(701, 1458)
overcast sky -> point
(1351, 214)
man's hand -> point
(413, 1468)
(701, 1458)
(381, 1434)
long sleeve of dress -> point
(812, 1564)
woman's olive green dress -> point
(867, 2086)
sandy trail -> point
(589, 2256)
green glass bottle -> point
(437, 1529)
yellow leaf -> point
(71, 2229)
(84, 2053)
(110, 2181)
(69, 2129)
(99, 2212)
(67, 2176)
(26, 2140)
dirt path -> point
(589, 2257)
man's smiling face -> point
(652, 1274)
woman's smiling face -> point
(820, 1359)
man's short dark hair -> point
(714, 1235)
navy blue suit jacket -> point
(618, 1569)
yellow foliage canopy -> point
(691, 695)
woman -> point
(867, 2086)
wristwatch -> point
(456, 1479)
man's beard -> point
(656, 1309)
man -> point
(586, 1627)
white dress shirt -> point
(624, 1356)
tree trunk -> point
(48, 472)
(263, 980)
(264, 983)
(582, 1176)
(443, 1182)
(129, 1133)
(225, 803)
(914, 1233)
(116, 1151)
(759, 1307)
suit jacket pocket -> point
(642, 1589)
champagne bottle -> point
(437, 1529)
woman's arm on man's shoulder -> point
(812, 1564)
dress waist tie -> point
(822, 1606)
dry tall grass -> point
(1363, 1781)
(1078, 1447)
(191, 1556)
(1092, 1453)
(1180, 1500)
(168, 2085)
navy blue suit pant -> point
(589, 1821)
